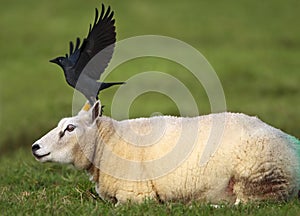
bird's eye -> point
(70, 128)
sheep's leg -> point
(123, 196)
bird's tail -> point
(107, 85)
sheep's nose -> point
(35, 147)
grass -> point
(253, 46)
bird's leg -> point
(92, 100)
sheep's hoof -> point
(237, 201)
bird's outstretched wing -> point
(101, 36)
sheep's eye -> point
(70, 128)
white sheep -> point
(159, 157)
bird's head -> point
(61, 61)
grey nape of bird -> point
(101, 37)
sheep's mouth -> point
(40, 156)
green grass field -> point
(254, 47)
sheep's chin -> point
(41, 158)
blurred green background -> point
(254, 47)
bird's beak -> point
(54, 61)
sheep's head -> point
(70, 141)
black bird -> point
(101, 38)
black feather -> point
(71, 48)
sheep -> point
(159, 157)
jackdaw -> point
(100, 40)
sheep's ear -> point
(95, 111)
